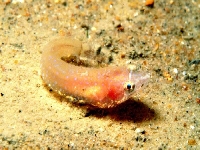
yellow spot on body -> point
(92, 91)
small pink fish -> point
(102, 87)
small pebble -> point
(192, 142)
(139, 130)
(198, 100)
(149, 2)
(175, 70)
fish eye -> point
(129, 86)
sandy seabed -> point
(162, 39)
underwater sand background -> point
(163, 40)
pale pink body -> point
(101, 87)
